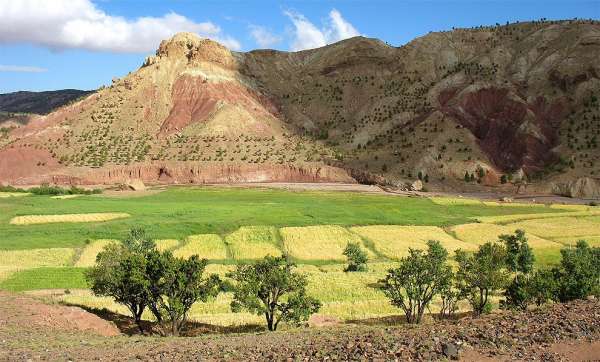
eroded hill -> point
(516, 100)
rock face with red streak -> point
(512, 133)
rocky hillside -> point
(38, 102)
(495, 103)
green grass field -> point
(233, 225)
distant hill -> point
(461, 110)
(38, 102)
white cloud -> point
(65, 24)
(21, 69)
(307, 35)
(263, 37)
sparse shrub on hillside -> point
(417, 280)
(481, 275)
(357, 258)
(271, 288)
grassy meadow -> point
(234, 225)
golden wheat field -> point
(13, 194)
(209, 246)
(478, 234)
(571, 241)
(253, 242)
(561, 226)
(506, 219)
(91, 251)
(34, 258)
(511, 204)
(46, 219)
(324, 242)
(166, 244)
(394, 241)
(453, 201)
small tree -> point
(579, 272)
(121, 274)
(271, 288)
(450, 296)
(419, 278)
(542, 286)
(357, 258)
(519, 261)
(181, 284)
(481, 274)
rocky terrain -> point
(461, 110)
(560, 332)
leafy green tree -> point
(138, 241)
(420, 277)
(121, 274)
(579, 272)
(481, 274)
(271, 288)
(449, 296)
(357, 258)
(519, 261)
(180, 285)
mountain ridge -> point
(516, 101)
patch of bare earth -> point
(557, 332)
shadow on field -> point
(127, 325)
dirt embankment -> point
(183, 173)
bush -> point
(357, 258)
(579, 273)
(420, 277)
(52, 190)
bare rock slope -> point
(515, 100)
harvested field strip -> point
(394, 241)
(91, 251)
(561, 226)
(505, 219)
(326, 242)
(64, 197)
(253, 242)
(593, 241)
(546, 251)
(451, 201)
(71, 218)
(46, 278)
(510, 204)
(209, 246)
(166, 244)
(575, 207)
(13, 194)
(34, 258)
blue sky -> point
(56, 44)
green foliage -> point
(482, 274)
(52, 190)
(519, 260)
(357, 258)
(269, 287)
(420, 277)
(579, 273)
(542, 286)
(503, 179)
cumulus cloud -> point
(21, 69)
(70, 24)
(307, 35)
(263, 37)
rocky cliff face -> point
(517, 100)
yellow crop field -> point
(394, 241)
(511, 204)
(452, 201)
(505, 219)
(209, 246)
(560, 227)
(593, 241)
(45, 219)
(166, 244)
(13, 194)
(253, 242)
(481, 233)
(575, 207)
(326, 242)
(91, 251)
(34, 258)
(7, 271)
